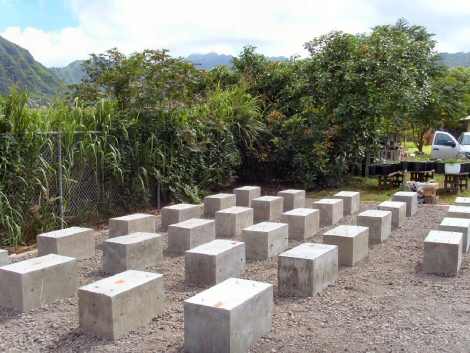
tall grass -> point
(188, 153)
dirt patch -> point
(383, 304)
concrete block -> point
(114, 306)
(351, 201)
(442, 252)
(411, 199)
(135, 251)
(267, 208)
(462, 201)
(74, 242)
(458, 212)
(331, 211)
(352, 243)
(189, 234)
(307, 269)
(245, 194)
(230, 221)
(458, 225)
(4, 260)
(133, 223)
(179, 213)
(229, 317)
(292, 199)
(265, 240)
(33, 283)
(303, 223)
(378, 222)
(398, 210)
(218, 202)
(214, 262)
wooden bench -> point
(394, 179)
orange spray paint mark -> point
(37, 263)
(218, 305)
(121, 281)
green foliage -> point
(24, 187)
(144, 82)
(448, 103)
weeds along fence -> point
(47, 185)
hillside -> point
(18, 67)
(456, 59)
(70, 74)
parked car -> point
(444, 145)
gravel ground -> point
(383, 304)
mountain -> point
(456, 59)
(18, 67)
(70, 74)
(211, 60)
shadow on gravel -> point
(76, 341)
(8, 314)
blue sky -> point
(48, 15)
(57, 32)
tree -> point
(447, 104)
(368, 83)
(143, 82)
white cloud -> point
(276, 27)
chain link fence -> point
(71, 194)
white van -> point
(444, 145)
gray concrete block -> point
(462, 201)
(229, 317)
(267, 208)
(245, 194)
(189, 234)
(442, 252)
(135, 251)
(230, 221)
(4, 260)
(114, 306)
(133, 223)
(218, 202)
(411, 199)
(378, 222)
(331, 211)
(74, 242)
(303, 223)
(265, 240)
(351, 201)
(458, 212)
(398, 210)
(214, 262)
(179, 213)
(307, 269)
(352, 243)
(33, 283)
(292, 199)
(458, 225)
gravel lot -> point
(383, 304)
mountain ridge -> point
(18, 67)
